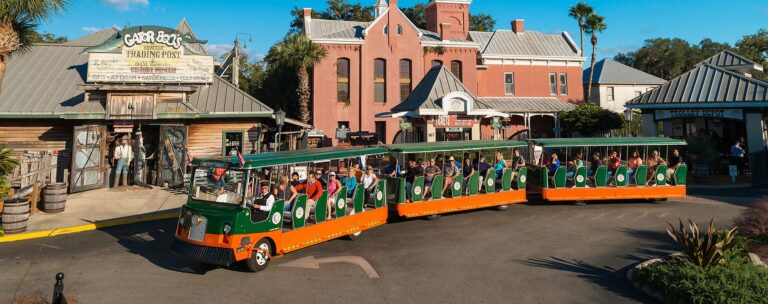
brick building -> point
(524, 77)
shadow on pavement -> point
(613, 280)
(152, 240)
(659, 244)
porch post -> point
(557, 125)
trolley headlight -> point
(227, 228)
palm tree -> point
(299, 53)
(595, 24)
(7, 164)
(18, 19)
(580, 12)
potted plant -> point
(703, 156)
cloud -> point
(218, 49)
(613, 50)
(90, 29)
(124, 5)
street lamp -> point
(628, 117)
(279, 121)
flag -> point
(240, 159)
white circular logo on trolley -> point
(580, 178)
(380, 195)
(340, 203)
(276, 218)
(457, 186)
(523, 178)
(660, 177)
(620, 178)
(489, 182)
(299, 212)
(417, 190)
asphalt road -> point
(527, 254)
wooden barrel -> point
(55, 198)
(15, 215)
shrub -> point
(589, 119)
(753, 222)
(703, 250)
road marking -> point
(644, 214)
(664, 214)
(552, 217)
(51, 246)
(310, 262)
(599, 216)
(620, 216)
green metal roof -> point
(295, 156)
(607, 141)
(454, 146)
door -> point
(172, 157)
(89, 149)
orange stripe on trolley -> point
(441, 206)
(611, 193)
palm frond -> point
(7, 163)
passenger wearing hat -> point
(451, 171)
(263, 203)
(122, 157)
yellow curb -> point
(162, 215)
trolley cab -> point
(446, 177)
(614, 168)
(246, 210)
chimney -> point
(518, 26)
(307, 22)
(445, 30)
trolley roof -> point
(607, 141)
(454, 146)
(295, 156)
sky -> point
(266, 22)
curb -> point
(757, 261)
(639, 286)
(146, 217)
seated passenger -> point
(573, 165)
(633, 163)
(350, 182)
(554, 163)
(313, 189)
(468, 169)
(500, 165)
(393, 169)
(216, 177)
(614, 162)
(286, 192)
(295, 179)
(594, 164)
(653, 163)
(263, 203)
(675, 161)
(451, 172)
(430, 172)
(334, 187)
(370, 181)
(482, 168)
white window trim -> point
(560, 84)
(513, 84)
(549, 82)
(610, 94)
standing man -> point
(737, 155)
(123, 156)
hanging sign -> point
(149, 55)
(733, 114)
(457, 121)
(496, 123)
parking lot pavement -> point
(534, 253)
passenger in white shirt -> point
(370, 180)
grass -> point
(678, 280)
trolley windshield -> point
(215, 182)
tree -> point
(18, 19)
(667, 58)
(417, 15)
(589, 119)
(47, 38)
(299, 53)
(580, 12)
(595, 25)
(337, 10)
(755, 47)
(481, 23)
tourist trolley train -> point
(245, 210)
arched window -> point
(436, 63)
(380, 80)
(456, 69)
(342, 80)
(405, 78)
(386, 30)
(399, 30)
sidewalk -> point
(103, 208)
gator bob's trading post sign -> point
(149, 54)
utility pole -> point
(236, 64)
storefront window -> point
(233, 143)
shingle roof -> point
(528, 43)
(337, 29)
(727, 59)
(47, 79)
(527, 104)
(611, 72)
(428, 94)
(705, 84)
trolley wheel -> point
(259, 259)
(433, 217)
(502, 207)
(354, 236)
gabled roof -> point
(611, 72)
(525, 44)
(730, 60)
(46, 82)
(428, 94)
(337, 29)
(705, 85)
(512, 104)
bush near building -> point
(588, 119)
